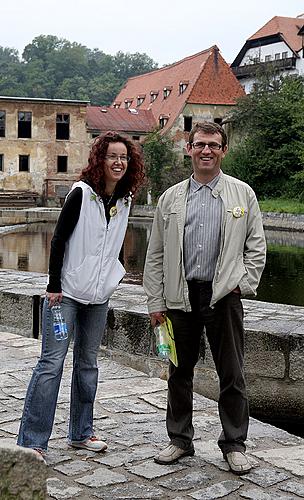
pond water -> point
(27, 249)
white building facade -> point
(279, 45)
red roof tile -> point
(288, 27)
(104, 118)
(216, 84)
(199, 71)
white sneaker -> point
(90, 444)
(171, 454)
(238, 462)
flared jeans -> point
(86, 324)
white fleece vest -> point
(91, 270)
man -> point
(207, 250)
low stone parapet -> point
(22, 474)
(274, 342)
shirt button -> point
(198, 266)
(203, 204)
(199, 246)
(201, 225)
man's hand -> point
(157, 318)
(53, 298)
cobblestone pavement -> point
(130, 416)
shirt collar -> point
(196, 186)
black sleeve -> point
(67, 221)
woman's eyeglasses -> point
(122, 158)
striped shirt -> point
(202, 231)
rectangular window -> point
(24, 163)
(284, 55)
(1, 162)
(187, 123)
(277, 56)
(2, 123)
(267, 58)
(63, 126)
(62, 164)
(23, 262)
(24, 124)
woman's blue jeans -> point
(86, 323)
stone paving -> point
(130, 416)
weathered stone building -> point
(43, 145)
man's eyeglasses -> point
(214, 146)
(122, 158)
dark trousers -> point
(225, 333)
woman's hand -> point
(53, 298)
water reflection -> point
(27, 249)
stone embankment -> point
(274, 342)
(8, 217)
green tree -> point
(164, 165)
(270, 125)
(53, 67)
(127, 65)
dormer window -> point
(140, 99)
(116, 105)
(163, 120)
(284, 55)
(153, 95)
(182, 86)
(128, 103)
(167, 92)
(268, 58)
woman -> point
(84, 271)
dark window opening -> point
(135, 137)
(163, 121)
(23, 262)
(166, 92)
(153, 96)
(187, 123)
(2, 123)
(24, 124)
(62, 163)
(218, 120)
(1, 162)
(63, 126)
(24, 163)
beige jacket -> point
(242, 252)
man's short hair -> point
(208, 128)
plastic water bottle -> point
(162, 346)
(59, 325)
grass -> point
(282, 205)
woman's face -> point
(115, 163)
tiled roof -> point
(207, 78)
(288, 27)
(216, 84)
(104, 118)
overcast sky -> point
(166, 30)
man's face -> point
(206, 160)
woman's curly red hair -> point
(94, 172)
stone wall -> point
(22, 474)
(274, 342)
